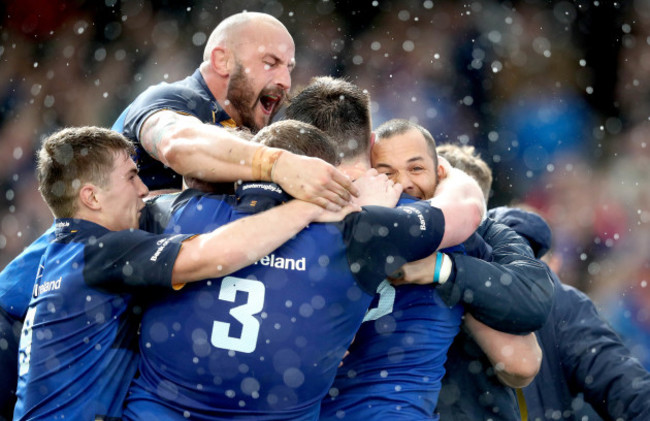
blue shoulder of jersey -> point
(17, 278)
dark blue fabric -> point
(527, 224)
(584, 362)
(396, 361)
(77, 350)
(9, 336)
(515, 298)
(584, 359)
(188, 96)
(583, 355)
(264, 342)
(17, 278)
(476, 246)
(16, 283)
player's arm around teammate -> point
(242, 81)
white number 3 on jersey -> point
(244, 313)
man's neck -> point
(354, 168)
(90, 216)
(217, 85)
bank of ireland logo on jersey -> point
(47, 286)
(278, 262)
(413, 210)
(162, 243)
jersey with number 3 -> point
(263, 343)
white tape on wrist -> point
(445, 269)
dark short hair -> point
(339, 108)
(299, 138)
(399, 126)
(73, 156)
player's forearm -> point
(516, 359)
(242, 242)
(194, 149)
(463, 205)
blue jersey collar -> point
(66, 226)
(257, 196)
(219, 116)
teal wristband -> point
(436, 271)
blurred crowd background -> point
(554, 94)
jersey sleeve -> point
(380, 240)
(17, 278)
(163, 96)
(475, 246)
(123, 260)
(512, 293)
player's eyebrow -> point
(415, 158)
(382, 165)
(291, 63)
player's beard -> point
(243, 99)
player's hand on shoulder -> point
(376, 189)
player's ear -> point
(220, 60)
(88, 197)
(442, 169)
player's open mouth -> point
(269, 102)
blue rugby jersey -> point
(17, 278)
(264, 343)
(78, 344)
(394, 366)
(187, 96)
(16, 283)
(396, 362)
